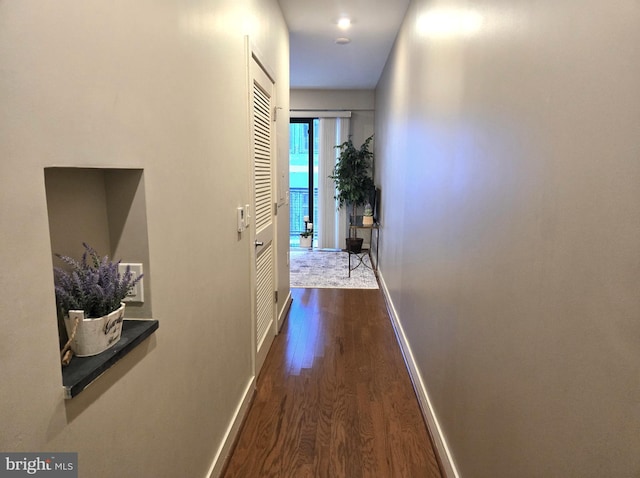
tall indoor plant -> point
(353, 176)
(90, 297)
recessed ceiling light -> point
(344, 23)
(342, 41)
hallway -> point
(334, 398)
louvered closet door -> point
(263, 154)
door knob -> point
(259, 243)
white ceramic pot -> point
(94, 336)
(306, 241)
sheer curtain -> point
(332, 222)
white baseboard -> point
(285, 310)
(440, 443)
(232, 431)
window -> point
(303, 177)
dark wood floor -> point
(334, 398)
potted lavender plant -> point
(89, 299)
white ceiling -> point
(318, 62)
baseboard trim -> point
(445, 459)
(231, 435)
(284, 311)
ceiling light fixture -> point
(344, 23)
(342, 41)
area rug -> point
(329, 270)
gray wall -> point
(510, 168)
(158, 87)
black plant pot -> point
(354, 244)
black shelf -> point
(83, 370)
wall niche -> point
(105, 208)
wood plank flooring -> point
(334, 398)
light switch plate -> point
(247, 215)
(241, 219)
(137, 293)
